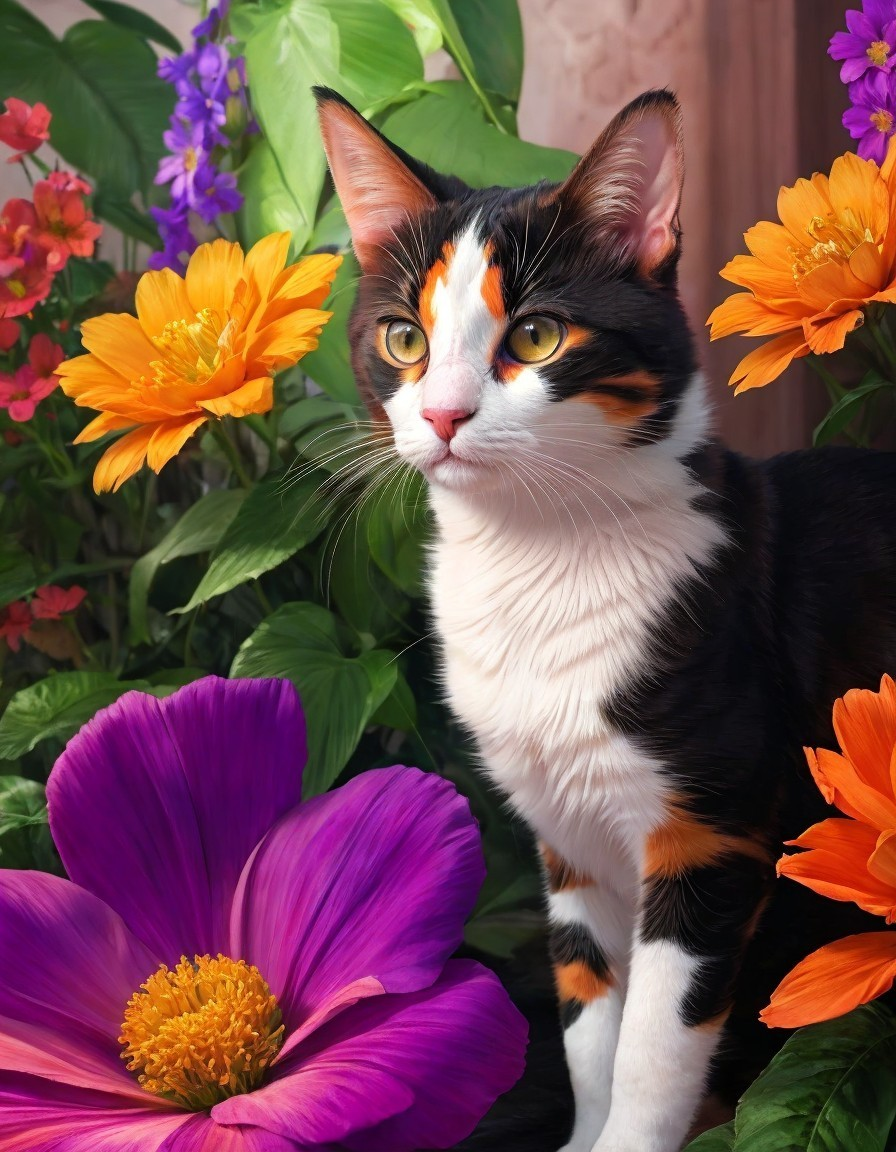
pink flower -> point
(15, 620)
(45, 357)
(23, 126)
(65, 226)
(9, 334)
(25, 278)
(51, 602)
(23, 391)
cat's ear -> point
(628, 184)
(378, 185)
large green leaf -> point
(446, 129)
(57, 706)
(716, 1140)
(831, 1088)
(493, 33)
(848, 407)
(329, 365)
(359, 47)
(99, 81)
(277, 518)
(136, 21)
(301, 642)
(420, 19)
(24, 836)
(198, 530)
(17, 575)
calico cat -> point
(640, 629)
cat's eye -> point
(534, 339)
(405, 342)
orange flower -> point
(810, 277)
(848, 859)
(201, 346)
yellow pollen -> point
(16, 287)
(877, 52)
(203, 1032)
(836, 238)
(191, 162)
(882, 120)
(191, 350)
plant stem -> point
(232, 453)
(836, 391)
(883, 344)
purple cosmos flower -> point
(870, 41)
(872, 117)
(276, 972)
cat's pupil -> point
(533, 334)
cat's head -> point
(500, 328)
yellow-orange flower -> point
(848, 859)
(204, 345)
(810, 277)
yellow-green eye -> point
(405, 342)
(534, 339)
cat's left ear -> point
(628, 184)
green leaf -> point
(17, 575)
(136, 21)
(716, 1140)
(329, 365)
(99, 81)
(57, 706)
(277, 518)
(446, 129)
(198, 530)
(493, 33)
(422, 22)
(122, 214)
(310, 412)
(848, 407)
(88, 278)
(289, 47)
(22, 803)
(301, 642)
(396, 533)
(831, 1088)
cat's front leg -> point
(591, 927)
(693, 928)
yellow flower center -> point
(16, 287)
(836, 238)
(202, 1033)
(191, 349)
(191, 161)
(882, 120)
(877, 52)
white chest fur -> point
(544, 614)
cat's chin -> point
(460, 475)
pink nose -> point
(445, 420)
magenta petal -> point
(40, 1116)
(202, 1134)
(69, 966)
(156, 805)
(373, 879)
(453, 1048)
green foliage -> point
(136, 21)
(850, 406)
(830, 1089)
(24, 834)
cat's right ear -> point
(376, 186)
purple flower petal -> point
(878, 12)
(41, 1116)
(201, 1134)
(69, 968)
(852, 69)
(156, 805)
(453, 1048)
(373, 879)
(860, 25)
(844, 44)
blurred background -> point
(762, 104)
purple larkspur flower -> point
(870, 41)
(181, 825)
(177, 70)
(186, 145)
(872, 117)
(214, 193)
(210, 27)
(178, 240)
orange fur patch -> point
(492, 287)
(436, 273)
(684, 842)
(562, 877)
(577, 981)
(622, 410)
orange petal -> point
(833, 288)
(768, 362)
(212, 275)
(306, 284)
(265, 261)
(856, 189)
(107, 422)
(834, 980)
(86, 372)
(840, 783)
(798, 205)
(828, 334)
(742, 312)
(769, 284)
(254, 396)
(122, 459)
(120, 342)
(286, 340)
(882, 861)
(168, 439)
(837, 865)
(866, 264)
(770, 243)
(161, 298)
(865, 724)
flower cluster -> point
(211, 112)
(49, 602)
(867, 51)
(21, 391)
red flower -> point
(65, 226)
(45, 357)
(24, 127)
(9, 334)
(15, 620)
(22, 392)
(24, 276)
(50, 601)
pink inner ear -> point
(378, 192)
(660, 194)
